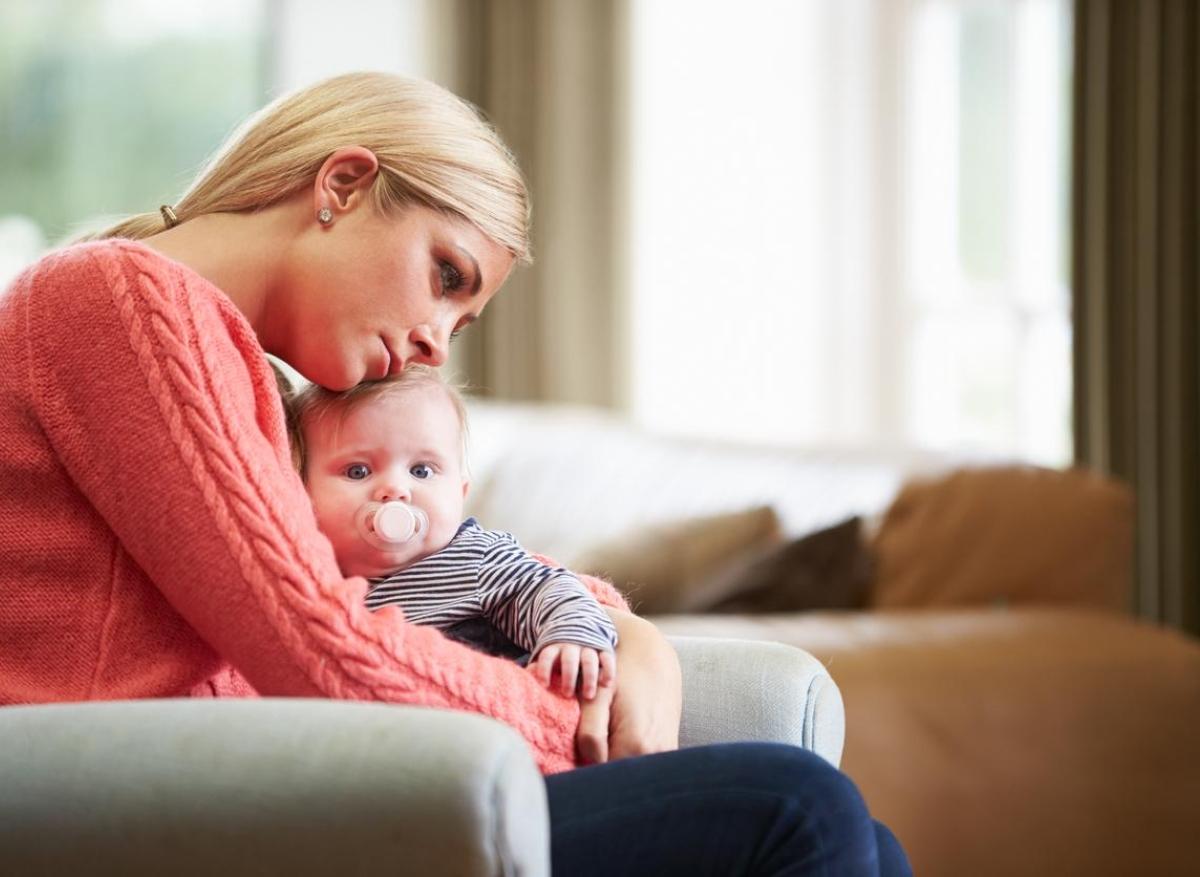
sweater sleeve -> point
(158, 402)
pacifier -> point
(388, 525)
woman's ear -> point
(344, 180)
(466, 487)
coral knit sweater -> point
(154, 538)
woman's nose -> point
(431, 345)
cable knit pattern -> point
(162, 545)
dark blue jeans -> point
(732, 809)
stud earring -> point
(324, 216)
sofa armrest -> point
(742, 690)
(272, 785)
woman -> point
(163, 539)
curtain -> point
(548, 76)
(1135, 205)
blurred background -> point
(966, 227)
(792, 256)
(870, 196)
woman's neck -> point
(239, 253)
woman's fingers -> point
(592, 737)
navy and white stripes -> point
(487, 573)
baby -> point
(384, 466)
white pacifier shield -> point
(395, 522)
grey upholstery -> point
(267, 786)
(279, 786)
(743, 690)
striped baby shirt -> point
(487, 574)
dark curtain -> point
(548, 74)
(1135, 205)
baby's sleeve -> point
(604, 591)
(537, 604)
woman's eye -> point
(452, 279)
(357, 471)
(421, 471)
(462, 326)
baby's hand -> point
(589, 668)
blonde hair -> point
(434, 149)
(314, 403)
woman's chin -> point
(338, 374)
(347, 380)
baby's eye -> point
(421, 471)
(357, 471)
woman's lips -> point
(395, 363)
(383, 365)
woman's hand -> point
(643, 715)
(591, 739)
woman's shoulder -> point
(111, 260)
(75, 279)
(118, 273)
(99, 292)
(120, 309)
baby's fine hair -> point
(312, 403)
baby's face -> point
(403, 445)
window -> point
(186, 74)
(848, 222)
(111, 106)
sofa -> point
(1005, 712)
(283, 786)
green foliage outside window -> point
(110, 106)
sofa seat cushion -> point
(1073, 730)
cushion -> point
(1007, 534)
(658, 566)
(828, 569)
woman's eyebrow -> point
(478, 284)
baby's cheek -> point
(440, 535)
(322, 521)
(328, 510)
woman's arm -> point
(643, 716)
(159, 405)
